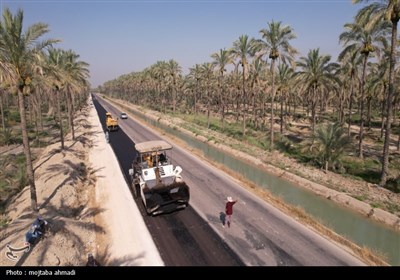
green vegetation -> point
(362, 197)
(367, 169)
(12, 175)
(330, 144)
(394, 185)
(330, 136)
(265, 90)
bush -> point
(6, 137)
(15, 117)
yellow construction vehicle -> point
(112, 124)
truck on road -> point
(156, 180)
(112, 124)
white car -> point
(124, 116)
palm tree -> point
(207, 76)
(285, 78)
(160, 73)
(243, 49)
(330, 143)
(390, 11)
(54, 65)
(221, 60)
(362, 38)
(74, 77)
(258, 71)
(174, 70)
(276, 43)
(315, 75)
(19, 51)
(2, 93)
(350, 60)
(195, 74)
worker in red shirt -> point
(229, 210)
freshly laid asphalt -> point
(260, 234)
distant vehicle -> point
(156, 180)
(124, 116)
(112, 124)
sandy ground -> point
(83, 196)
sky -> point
(119, 37)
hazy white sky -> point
(118, 37)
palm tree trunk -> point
(221, 99)
(30, 110)
(271, 147)
(208, 110)
(39, 92)
(79, 106)
(59, 118)
(173, 96)
(341, 106)
(244, 103)
(27, 151)
(281, 124)
(263, 104)
(294, 105)
(6, 101)
(70, 114)
(237, 106)
(383, 114)
(369, 112)
(385, 160)
(3, 121)
(313, 112)
(35, 113)
(222, 110)
(361, 133)
(195, 103)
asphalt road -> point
(183, 238)
(260, 234)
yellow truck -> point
(112, 124)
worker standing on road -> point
(229, 210)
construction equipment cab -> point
(155, 179)
(112, 124)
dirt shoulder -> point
(82, 194)
(126, 240)
(351, 193)
(65, 189)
